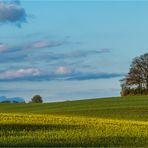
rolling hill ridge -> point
(133, 108)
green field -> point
(119, 121)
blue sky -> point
(69, 50)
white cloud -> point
(62, 70)
(10, 74)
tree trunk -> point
(147, 85)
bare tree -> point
(137, 77)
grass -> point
(132, 108)
(109, 122)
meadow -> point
(108, 122)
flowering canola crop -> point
(55, 130)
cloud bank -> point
(61, 73)
(20, 52)
(12, 12)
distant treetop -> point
(36, 99)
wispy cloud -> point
(20, 73)
(19, 53)
(93, 76)
(45, 44)
(61, 73)
(73, 54)
(85, 53)
(12, 12)
(6, 48)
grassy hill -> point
(107, 122)
(133, 108)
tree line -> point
(34, 99)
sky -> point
(67, 50)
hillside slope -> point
(133, 108)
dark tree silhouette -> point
(36, 99)
(136, 81)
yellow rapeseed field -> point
(52, 130)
